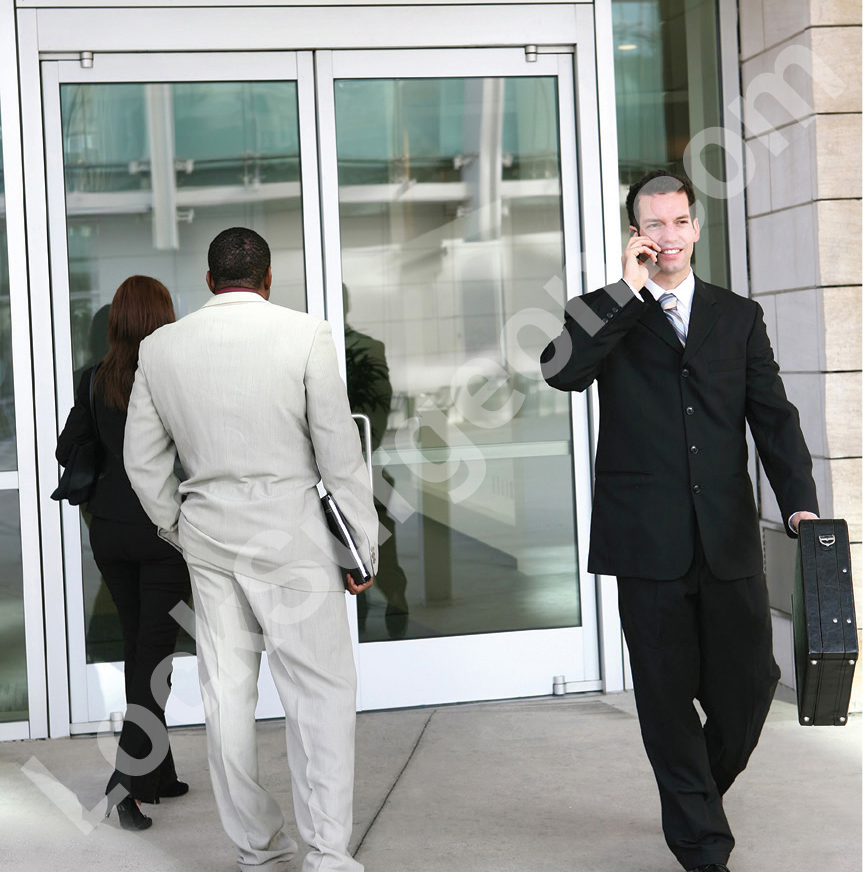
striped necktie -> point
(669, 305)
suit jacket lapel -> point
(657, 321)
(701, 319)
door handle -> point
(367, 441)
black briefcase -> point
(825, 628)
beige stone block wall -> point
(804, 229)
(823, 12)
(840, 49)
(843, 326)
(838, 157)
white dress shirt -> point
(683, 292)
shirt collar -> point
(683, 291)
(237, 295)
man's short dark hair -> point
(240, 257)
(658, 182)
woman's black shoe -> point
(178, 788)
(131, 817)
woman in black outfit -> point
(145, 575)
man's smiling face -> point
(666, 220)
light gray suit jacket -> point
(248, 396)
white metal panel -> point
(310, 179)
(106, 694)
(196, 66)
(317, 4)
(15, 731)
(461, 668)
(329, 172)
(25, 477)
(296, 28)
(438, 63)
(598, 129)
(579, 196)
(598, 125)
(65, 389)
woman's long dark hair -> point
(140, 306)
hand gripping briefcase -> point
(825, 628)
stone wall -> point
(804, 232)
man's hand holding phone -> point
(639, 260)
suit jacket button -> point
(684, 372)
(690, 410)
(693, 449)
(696, 488)
(615, 309)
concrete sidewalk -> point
(557, 784)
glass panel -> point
(8, 451)
(667, 76)
(450, 208)
(153, 173)
(13, 658)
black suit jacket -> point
(113, 497)
(672, 453)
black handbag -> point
(84, 464)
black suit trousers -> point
(699, 637)
(146, 577)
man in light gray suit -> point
(248, 396)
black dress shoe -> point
(131, 817)
(711, 867)
(178, 788)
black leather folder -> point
(340, 529)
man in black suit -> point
(681, 366)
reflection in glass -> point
(13, 660)
(153, 173)
(450, 216)
(666, 75)
(8, 451)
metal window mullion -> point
(310, 185)
(329, 188)
(598, 124)
(65, 389)
(580, 196)
(28, 508)
(43, 370)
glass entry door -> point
(450, 211)
(427, 203)
(152, 171)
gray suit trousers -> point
(309, 652)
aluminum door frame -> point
(23, 479)
(65, 29)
